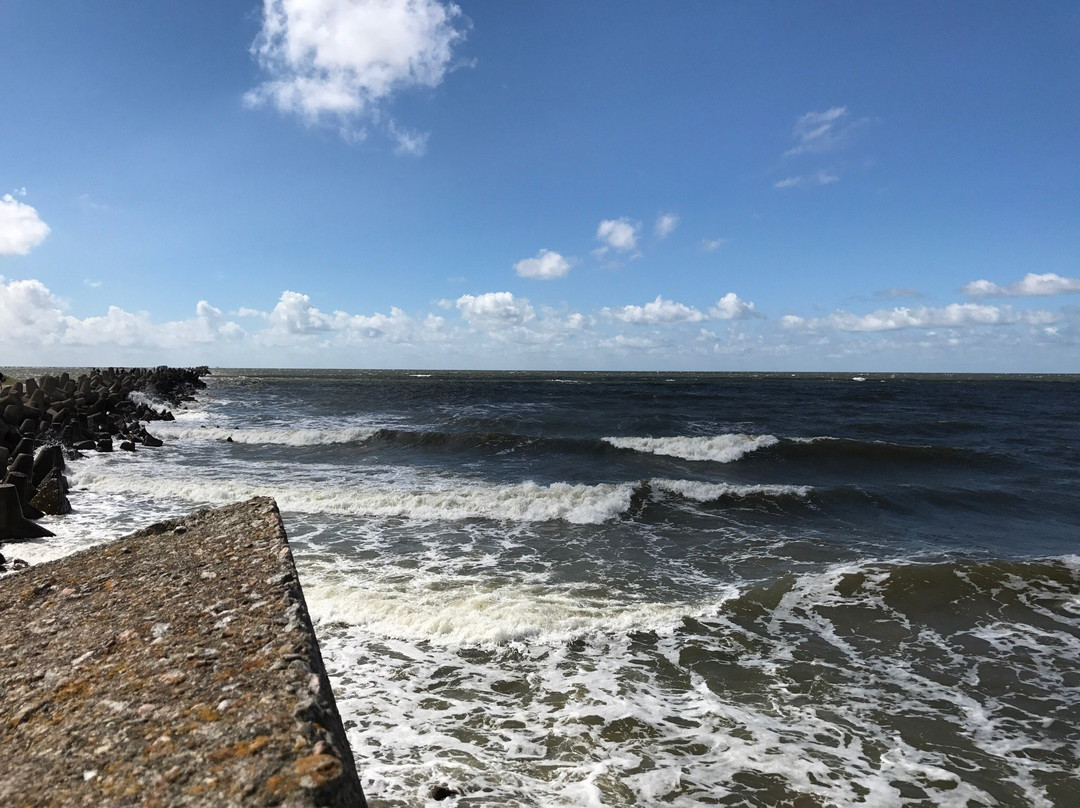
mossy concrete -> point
(176, 666)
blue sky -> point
(623, 185)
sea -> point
(660, 589)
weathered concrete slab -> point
(176, 666)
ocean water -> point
(589, 589)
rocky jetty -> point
(176, 666)
(46, 419)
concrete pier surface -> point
(176, 666)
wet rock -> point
(441, 792)
(14, 526)
(49, 458)
(25, 493)
(51, 497)
(22, 464)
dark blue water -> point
(645, 589)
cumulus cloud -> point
(295, 314)
(498, 329)
(21, 229)
(34, 317)
(341, 60)
(618, 234)
(668, 312)
(494, 309)
(658, 312)
(547, 265)
(730, 307)
(1032, 285)
(955, 315)
(29, 310)
(665, 225)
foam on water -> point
(455, 609)
(420, 498)
(282, 436)
(96, 518)
(685, 711)
(710, 492)
(526, 502)
(717, 448)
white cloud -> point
(730, 307)
(792, 321)
(547, 265)
(665, 225)
(495, 309)
(821, 177)
(668, 312)
(817, 132)
(1032, 285)
(711, 244)
(35, 318)
(623, 342)
(295, 314)
(500, 330)
(28, 310)
(409, 142)
(955, 315)
(658, 312)
(340, 60)
(21, 229)
(618, 234)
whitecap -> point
(717, 448)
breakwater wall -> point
(176, 666)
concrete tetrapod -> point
(13, 525)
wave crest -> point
(716, 448)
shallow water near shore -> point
(640, 589)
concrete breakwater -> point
(44, 419)
(175, 666)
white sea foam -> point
(622, 716)
(710, 492)
(717, 448)
(454, 609)
(389, 493)
(179, 430)
(138, 397)
(524, 502)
